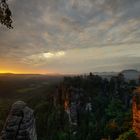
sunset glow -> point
(70, 69)
(7, 71)
(26, 72)
(71, 36)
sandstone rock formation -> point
(20, 123)
(74, 101)
(136, 112)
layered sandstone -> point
(136, 112)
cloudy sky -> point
(71, 36)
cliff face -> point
(20, 123)
(74, 102)
(136, 112)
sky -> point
(71, 36)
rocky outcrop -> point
(20, 123)
(136, 112)
(74, 101)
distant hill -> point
(131, 74)
(28, 76)
(106, 75)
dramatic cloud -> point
(71, 36)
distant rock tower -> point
(20, 123)
(136, 112)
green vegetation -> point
(130, 135)
(108, 115)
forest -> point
(82, 107)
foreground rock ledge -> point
(20, 123)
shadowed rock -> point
(20, 123)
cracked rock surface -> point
(20, 123)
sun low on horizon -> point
(26, 72)
(71, 36)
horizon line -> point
(18, 73)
